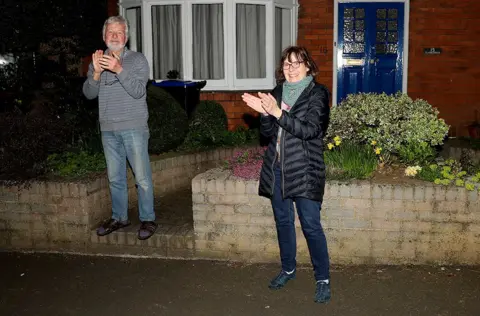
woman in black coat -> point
(295, 118)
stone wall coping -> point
(210, 180)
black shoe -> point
(281, 279)
(147, 229)
(322, 293)
(111, 225)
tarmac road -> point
(55, 284)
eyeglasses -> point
(294, 65)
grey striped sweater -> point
(122, 98)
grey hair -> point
(116, 19)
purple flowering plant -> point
(246, 163)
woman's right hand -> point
(253, 102)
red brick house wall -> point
(449, 81)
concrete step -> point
(171, 240)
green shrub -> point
(240, 136)
(350, 161)
(207, 126)
(76, 164)
(25, 144)
(393, 121)
(168, 122)
(416, 153)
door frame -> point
(336, 53)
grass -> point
(350, 161)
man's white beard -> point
(115, 47)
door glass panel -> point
(360, 13)
(381, 37)
(353, 48)
(381, 49)
(360, 25)
(348, 36)
(392, 14)
(348, 25)
(381, 14)
(392, 48)
(348, 13)
(387, 34)
(354, 31)
(392, 25)
(381, 25)
(359, 37)
(392, 37)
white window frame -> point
(230, 81)
(129, 4)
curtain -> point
(167, 40)
(250, 41)
(134, 18)
(208, 44)
(282, 31)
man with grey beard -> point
(118, 77)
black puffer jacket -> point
(301, 145)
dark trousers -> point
(309, 215)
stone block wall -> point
(365, 222)
(60, 215)
(456, 153)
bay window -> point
(232, 44)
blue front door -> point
(370, 46)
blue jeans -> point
(309, 215)
(131, 144)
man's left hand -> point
(111, 63)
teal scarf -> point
(292, 90)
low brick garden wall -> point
(365, 222)
(60, 215)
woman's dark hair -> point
(302, 55)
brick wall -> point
(57, 215)
(448, 80)
(238, 113)
(365, 223)
(112, 7)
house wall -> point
(447, 81)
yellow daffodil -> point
(378, 150)
(338, 142)
(330, 146)
(337, 139)
(374, 142)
